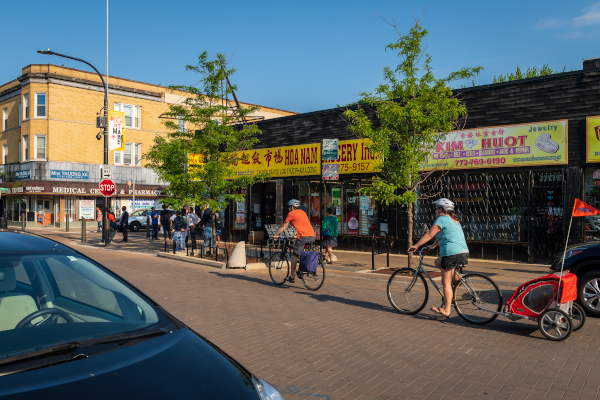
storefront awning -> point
(78, 189)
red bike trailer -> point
(549, 300)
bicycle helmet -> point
(294, 203)
(444, 204)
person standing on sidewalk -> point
(124, 223)
(330, 232)
(179, 224)
(113, 225)
(99, 218)
(165, 221)
(207, 224)
(218, 227)
(192, 220)
(154, 219)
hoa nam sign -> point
(281, 161)
(540, 143)
(62, 174)
(354, 157)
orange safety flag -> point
(580, 209)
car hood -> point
(179, 365)
(586, 249)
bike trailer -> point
(309, 261)
(532, 298)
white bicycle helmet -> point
(294, 203)
(444, 204)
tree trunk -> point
(410, 231)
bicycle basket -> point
(309, 261)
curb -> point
(255, 266)
(193, 260)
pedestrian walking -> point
(218, 227)
(154, 219)
(124, 223)
(99, 218)
(165, 221)
(179, 225)
(113, 225)
(184, 216)
(193, 220)
(330, 233)
(207, 224)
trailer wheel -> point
(555, 324)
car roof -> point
(18, 241)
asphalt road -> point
(346, 342)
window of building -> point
(133, 115)
(5, 119)
(40, 105)
(181, 123)
(5, 154)
(20, 114)
(26, 147)
(130, 156)
(40, 147)
(26, 105)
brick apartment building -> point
(49, 152)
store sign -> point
(281, 161)
(87, 209)
(330, 149)
(23, 174)
(62, 174)
(540, 143)
(354, 157)
(593, 139)
(81, 188)
(116, 130)
(331, 172)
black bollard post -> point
(23, 222)
(148, 226)
(174, 246)
(83, 232)
(67, 223)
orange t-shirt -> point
(299, 219)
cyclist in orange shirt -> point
(304, 232)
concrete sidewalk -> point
(508, 275)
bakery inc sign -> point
(540, 143)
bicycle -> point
(474, 294)
(279, 266)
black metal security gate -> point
(527, 207)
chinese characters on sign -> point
(540, 143)
(116, 130)
(281, 161)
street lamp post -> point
(105, 228)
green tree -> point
(412, 107)
(202, 125)
(530, 73)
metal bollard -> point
(147, 226)
(67, 224)
(23, 222)
(174, 245)
(83, 232)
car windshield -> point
(49, 298)
(139, 213)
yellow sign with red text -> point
(540, 143)
(354, 157)
(299, 160)
(593, 139)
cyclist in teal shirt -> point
(454, 252)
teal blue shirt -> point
(451, 237)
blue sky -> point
(298, 56)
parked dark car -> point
(584, 261)
(70, 327)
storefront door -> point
(44, 212)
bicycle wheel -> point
(477, 290)
(314, 280)
(279, 267)
(407, 291)
(577, 316)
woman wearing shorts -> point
(330, 232)
(454, 252)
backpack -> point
(309, 261)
